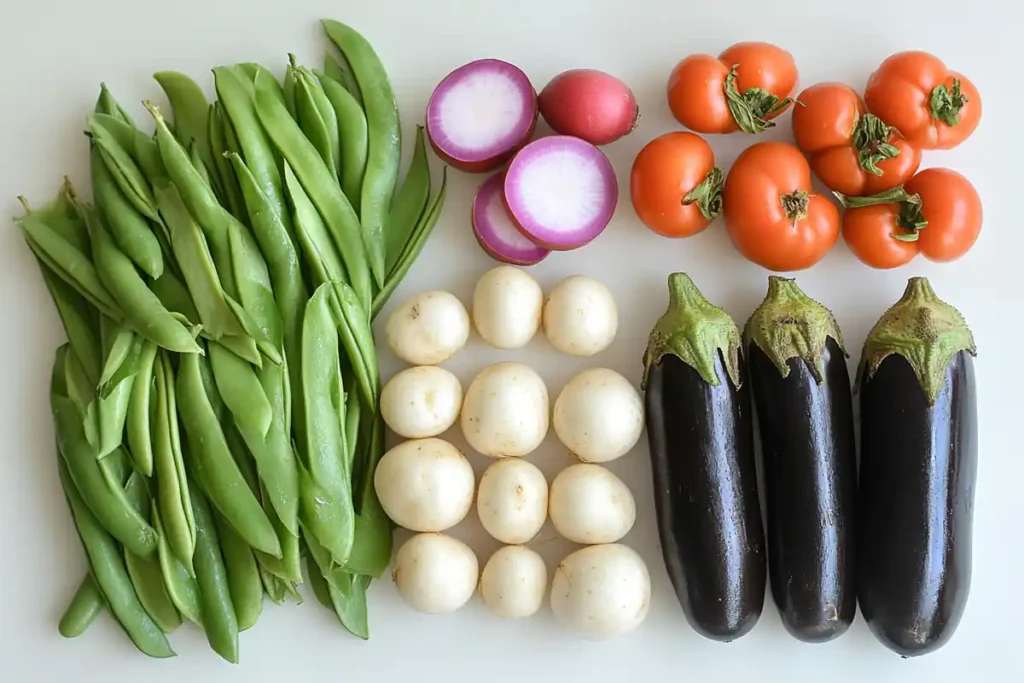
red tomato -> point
(771, 214)
(852, 151)
(742, 89)
(937, 213)
(931, 106)
(675, 186)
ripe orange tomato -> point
(931, 106)
(742, 89)
(852, 151)
(771, 214)
(937, 213)
(675, 187)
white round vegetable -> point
(601, 591)
(512, 500)
(580, 317)
(507, 304)
(435, 573)
(428, 328)
(425, 485)
(513, 582)
(589, 504)
(599, 415)
(505, 411)
(421, 401)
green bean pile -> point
(216, 401)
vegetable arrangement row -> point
(216, 404)
(559, 192)
(426, 485)
(896, 535)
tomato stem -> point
(871, 138)
(910, 212)
(752, 108)
(946, 104)
(795, 205)
(708, 195)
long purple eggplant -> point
(919, 455)
(801, 388)
(700, 431)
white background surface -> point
(55, 54)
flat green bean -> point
(342, 74)
(137, 424)
(145, 573)
(172, 495)
(142, 309)
(241, 391)
(319, 184)
(213, 465)
(105, 498)
(112, 400)
(68, 263)
(255, 292)
(175, 296)
(116, 340)
(110, 574)
(287, 566)
(126, 173)
(181, 586)
(80, 321)
(321, 254)
(277, 589)
(197, 268)
(202, 167)
(244, 582)
(318, 583)
(352, 138)
(413, 246)
(62, 217)
(385, 138)
(83, 609)
(191, 111)
(357, 338)
(326, 487)
(350, 604)
(219, 619)
(317, 119)
(236, 97)
(129, 229)
(410, 202)
(106, 104)
(287, 88)
(230, 196)
(372, 546)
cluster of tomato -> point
(866, 150)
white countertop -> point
(56, 53)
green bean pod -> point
(213, 465)
(105, 498)
(352, 138)
(255, 292)
(287, 88)
(203, 168)
(276, 588)
(244, 582)
(127, 175)
(318, 583)
(346, 592)
(145, 573)
(142, 309)
(287, 566)
(236, 92)
(112, 401)
(191, 111)
(230, 196)
(413, 246)
(317, 119)
(357, 338)
(410, 202)
(137, 424)
(181, 586)
(385, 138)
(341, 73)
(83, 609)
(219, 619)
(319, 184)
(373, 541)
(69, 264)
(241, 391)
(326, 488)
(110, 574)
(129, 229)
(106, 104)
(173, 495)
(80, 321)
(116, 341)
(321, 255)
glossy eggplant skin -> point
(809, 456)
(917, 479)
(706, 499)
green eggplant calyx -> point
(925, 330)
(790, 324)
(694, 330)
